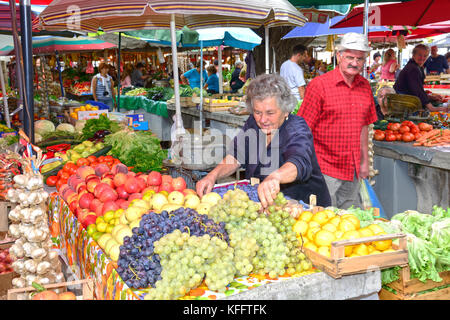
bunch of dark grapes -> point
(252, 191)
(138, 266)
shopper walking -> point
(102, 87)
(389, 66)
(293, 73)
(338, 107)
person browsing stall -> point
(137, 77)
(411, 79)
(192, 77)
(293, 73)
(212, 84)
(436, 63)
(389, 66)
(102, 87)
(339, 107)
(274, 146)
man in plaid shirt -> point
(338, 108)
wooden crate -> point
(409, 289)
(337, 265)
(209, 106)
(87, 290)
(5, 208)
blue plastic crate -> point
(100, 105)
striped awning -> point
(114, 15)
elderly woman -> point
(274, 146)
(380, 102)
(411, 79)
(102, 86)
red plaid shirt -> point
(336, 114)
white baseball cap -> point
(354, 41)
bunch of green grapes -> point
(235, 207)
(283, 221)
(188, 260)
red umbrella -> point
(5, 17)
(411, 13)
(34, 2)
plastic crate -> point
(190, 176)
(101, 106)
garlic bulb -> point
(21, 180)
(19, 282)
(38, 253)
(18, 266)
(30, 266)
(14, 230)
(43, 267)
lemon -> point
(313, 224)
(389, 250)
(360, 249)
(376, 229)
(338, 235)
(348, 251)
(353, 219)
(376, 251)
(330, 213)
(353, 255)
(370, 248)
(311, 232)
(325, 251)
(329, 227)
(310, 246)
(365, 232)
(382, 245)
(323, 238)
(300, 227)
(335, 220)
(320, 217)
(306, 216)
(353, 234)
(346, 225)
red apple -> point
(83, 215)
(119, 168)
(154, 178)
(165, 186)
(165, 178)
(135, 196)
(119, 179)
(73, 206)
(131, 185)
(101, 169)
(85, 200)
(99, 189)
(122, 193)
(109, 206)
(80, 187)
(108, 194)
(89, 219)
(99, 210)
(179, 184)
(91, 184)
(108, 181)
(94, 204)
(73, 181)
(142, 183)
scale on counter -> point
(402, 107)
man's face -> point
(420, 57)
(434, 51)
(351, 62)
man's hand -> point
(364, 170)
(268, 190)
(205, 185)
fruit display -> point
(317, 231)
(87, 107)
(81, 88)
(42, 294)
(406, 131)
(136, 92)
(440, 120)
(34, 258)
(5, 261)
(9, 167)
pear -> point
(211, 198)
(122, 233)
(203, 208)
(191, 201)
(103, 239)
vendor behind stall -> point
(137, 77)
(212, 84)
(192, 77)
(411, 79)
(274, 146)
(102, 87)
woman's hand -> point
(268, 190)
(205, 185)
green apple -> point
(91, 229)
(109, 228)
(108, 216)
(79, 148)
(97, 236)
(88, 143)
(85, 154)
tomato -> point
(398, 136)
(60, 172)
(92, 159)
(417, 135)
(408, 137)
(407, 123)
(60, 183)
(94, 164)
(101, 159)
(64, 175)
(386, 132)
(404, 129)
(391, 137)
(425, 126)
(109, 158)
(82, 162)
(51, 181)
(414, 129)
(395, 126)
(379, 135)
(116, 161)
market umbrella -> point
(114, 15)
(412, 13)
(5, 17)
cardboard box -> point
(136, 117)
(94, 114)
(5, 134)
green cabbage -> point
(43, 126)
(65, 127)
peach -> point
(101, 169)
(85, 171)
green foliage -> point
(102, 123)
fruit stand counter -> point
(140, 102)
(411, 177)
(87, 260)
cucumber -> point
(47, 143)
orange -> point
(360, 249)
(323, 238)
(353, 219)
(335, 220)
(365, 232)
(310, 246)
(382, 245)
(325, 251)
(320, 217)
(329, 227)
(306, 216)
(313, 224)
(300, 227)
(376, 229)
(311, 232)
(346, 225)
